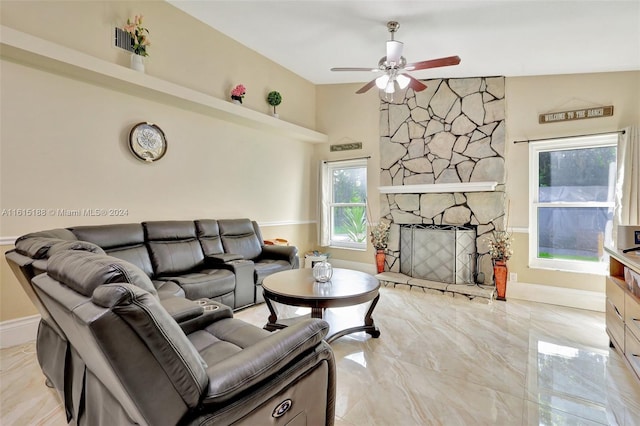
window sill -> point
(575, 268)
(348, 248)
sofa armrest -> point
(182, 309)
(261, 361)
(217, 259)
(211, 312)
(288, 253)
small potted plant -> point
(500, 251)
(238, 93)
(274, 99)
(380, 239)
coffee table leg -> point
(273, 317)
(316, 313)
(368, 319)
(368, 327)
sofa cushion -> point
(239, 237)
(111, 236)
(209, 236)
(84, 271)
(173, 246)
(124, 241)
(208, 283)
(168, 289)
(266, 267)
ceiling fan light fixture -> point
(382, 81)
(391, 88)
(403, 81)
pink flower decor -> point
(138, 35)
(238, 93)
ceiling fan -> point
(394, 64)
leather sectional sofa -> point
(121, 343)
(223, 260)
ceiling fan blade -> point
(433, 63)
(366, 87)
(415, 84)
(394, 51)
(355, 69)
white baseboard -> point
(368, 268)
(18, 331)
(570, 297)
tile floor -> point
(439, 361)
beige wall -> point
(64, 142)
(342, 114)
(183, 50)
(347, 117)
(527, 97)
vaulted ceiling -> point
(509, 37)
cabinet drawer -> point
(632, 350)
(615, 325)
(616, 295)
(632, 315)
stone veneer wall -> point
(451, 132)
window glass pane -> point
(349, 224)
(576, 175)
(572, 233)
(350, 185)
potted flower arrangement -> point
(139, 40)
(274, 99)
(500, 251)
(238, 93)
(380, 239)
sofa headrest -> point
(44, 247)
(170, 230)
(110, 236)
(59, 233)
(209, 236)
(74, 245)
(36, 247)
(85, 271)
(239, 227)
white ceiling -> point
(509, 37)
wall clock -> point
(147, 142)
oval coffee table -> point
(297, 287)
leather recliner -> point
(129, 362)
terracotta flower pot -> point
(500, 272)
(380, 257)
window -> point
(344, 196)
(572, 202)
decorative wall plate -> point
(147, 142)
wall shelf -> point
(39, 53)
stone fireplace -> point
(442, 164)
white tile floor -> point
(439, 360)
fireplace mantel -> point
(439, 187)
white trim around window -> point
(327, 227)
(554, 145)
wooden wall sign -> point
(346, 146)
(577, 114)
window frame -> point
(330, 205)
(563, 144)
